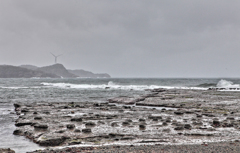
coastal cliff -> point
(52, 71)
(57, 69)
(88, 74)
(8, 71)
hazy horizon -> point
(134, 38)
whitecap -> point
(227, 84)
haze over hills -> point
(88, 74)
(8, 71)
(57, 69)
(52, 71)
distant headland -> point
(52, 71)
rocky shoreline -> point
(164, 118)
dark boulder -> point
(41, 126)
(17, 132)
(70, 126)
(24, 123)
(76, 119)
(87, 130)
(51, 141)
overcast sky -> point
(125, 38)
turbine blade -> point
(53, 54)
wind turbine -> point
(56, 56)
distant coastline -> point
(51, 71)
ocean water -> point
(82, 90)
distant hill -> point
(8, 71)
(31, 67)
(57, 69)
(88, 74)
(52, 71)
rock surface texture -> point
(172, 116)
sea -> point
(82, 90)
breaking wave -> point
(112, 86)
(227, 84)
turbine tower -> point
(56, 56)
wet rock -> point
(168, 120)
(17, 105)
(198, 115)
(141, 120)
(77, 131)
(60, 131)
(114, 124)
(187, 126)
(189, 112)
(24, 123)
(37, 118)
(101, 122)
(87, 130)
(198, 134)
(24, 110)
(142, 126)
(76, 119)
(127, 138)
(70, 126)
(178, 128)
(17, 132)
(50, 140)
(197, 123)
(164, 124)
(41, 126)
(125, 123)
(75, 142)
(216, 123)
(90, 124)
(209, 114)
(211, 129)
(227, 124)
(128, 120)
(179, 112)
(120, 111)
(166, 130)
(230, 118)
(155, 117)
(6, 150)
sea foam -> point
(227, 84)
(113, 86)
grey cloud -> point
(133, 38)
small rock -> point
(178, 112)
(23, 123)
(114, 124)
(70, 126)
(38, 118)
(41, 126)
(50, 141)
(76, 119)
(187, 126)
(141, 120)
(142, 126)
(125, 123)
(17, 132)
(178, 128)
(87, 130)
(90, 124)
(77, 130)
(8, 150)
(164, 124)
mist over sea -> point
(82, 90)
